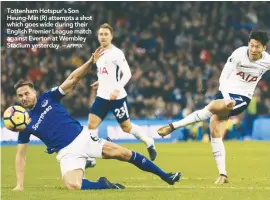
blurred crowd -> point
(176, 51)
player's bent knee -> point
(220, 107)
(93, 121)
(230, 104)
(214, 106)
(126, 127)
(73, 185)
(92, 126)
(215, 134)
(122, 154)
(125, 154)
(73, 179)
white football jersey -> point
(109, 67)
(240, 75)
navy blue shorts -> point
(119, 108)
(242, 102)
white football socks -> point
(136, 131)
(219, 154)
(197, 116)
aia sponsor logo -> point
(102, 71)
(247, 77)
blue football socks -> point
(146, 165)
(88, 185)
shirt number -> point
(120, 113)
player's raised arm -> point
(20, 163)
(77, 74)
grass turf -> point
(248, 166)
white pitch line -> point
(42, 178)
(188, 178)
(157, 178)
(198, 187)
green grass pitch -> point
(248, 166)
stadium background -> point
(176, 51)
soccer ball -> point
(16, 118)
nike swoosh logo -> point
(174, 176)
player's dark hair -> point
(106, 25)
(22, 82)
(260, 36)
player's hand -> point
(18, 188)
(114, 94)
(95, 85)
(96, 55)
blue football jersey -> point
(51, 122)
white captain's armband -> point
(61, 91)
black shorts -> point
(242, 102)
(119, 107)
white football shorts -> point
(74, 155)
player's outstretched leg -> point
(219, 106)
(135, 130)
(113, 151)
(218, 129)
(194, 117)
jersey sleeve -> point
(24, 137)
(55, 93)
(232, 62)
(124, 67)
(234, 58)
